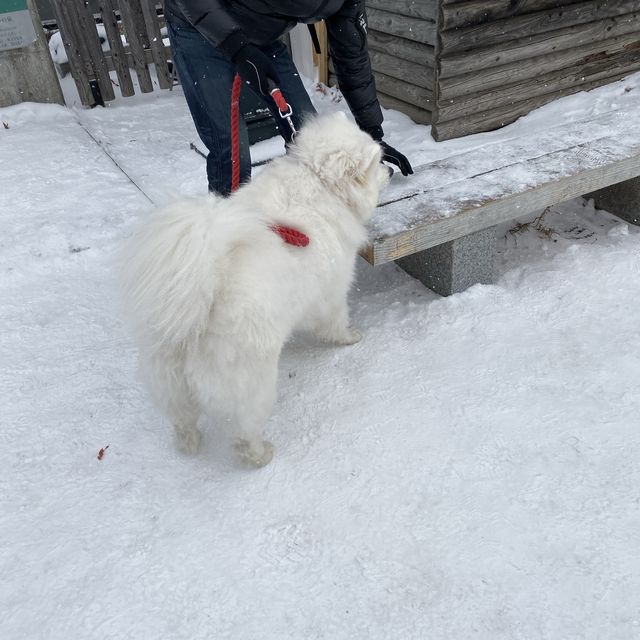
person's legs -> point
(291, 86)
(207, 77)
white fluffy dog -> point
(214, 292)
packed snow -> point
(469, 470)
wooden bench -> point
(439, 226)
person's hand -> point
(256, 69)
(392, 156)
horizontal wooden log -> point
(418, 96)
(425, 9)
(421, 116)
(503, 75)
(401, 48)
(599, 69)
(475, 12)
(416, 113)
(415, 29)
(453, 64)
(501, 116)
(501, 31)
(420, 75)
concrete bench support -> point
(453, 266)
(622, 199)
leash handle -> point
(283, 106)
(285, 109)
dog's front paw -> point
(255, 453)
(350, 336)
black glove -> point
(389, 154)
(256, 69)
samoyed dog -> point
(214, 290)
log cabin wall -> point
(496, 60)
(401, 36)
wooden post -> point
(155, 43)
(93, 47)
(118, 54)
(321, 60)
(27, 73)
(79, 62)
(136, 33)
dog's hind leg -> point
(241, 398)
(172, 394)
(183, 411)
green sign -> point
(16, 25)
(8, 6)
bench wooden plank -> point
(462, 203)
(498, 154)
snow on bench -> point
(440, 224)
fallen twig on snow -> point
(102, 452)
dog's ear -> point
(352, 165)
(371, 157)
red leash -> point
(289, 235)
(235, 132)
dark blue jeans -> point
(207, 76)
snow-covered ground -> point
(469, 470)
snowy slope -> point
(469, 470)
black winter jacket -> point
(230, 24)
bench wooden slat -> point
(471, 196)
(497, 155)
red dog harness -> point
(291, 236)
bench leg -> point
(622, 199)
(453, 266)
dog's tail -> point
(170, 270)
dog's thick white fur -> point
(213, 292)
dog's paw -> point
(188, 440)
(254, 454)
(350, 336)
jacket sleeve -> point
(212, 19)
(347, 35)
